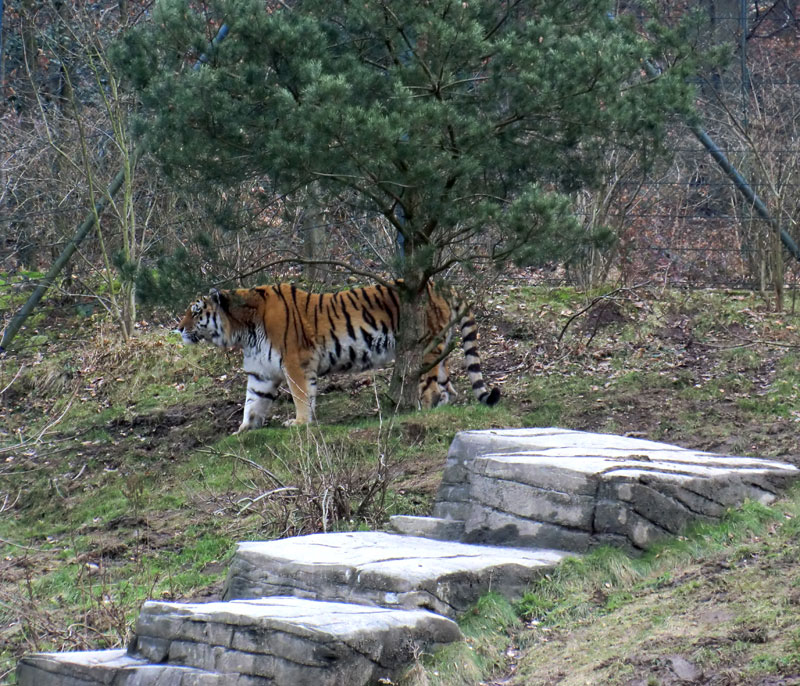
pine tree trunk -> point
(313, 245)
(403, 388)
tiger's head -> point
(205, 320)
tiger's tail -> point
(472, 361)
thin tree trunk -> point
(128, 314)
(404, 386)
(778, 268)
(2, 49)
(30, 46)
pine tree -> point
(446, 117)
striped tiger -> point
(290, 335)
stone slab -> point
(288, 641)
(384, 569)
(117, 668)
(573, 489)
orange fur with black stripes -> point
(290, 335)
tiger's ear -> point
(214, 295)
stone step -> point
(115, 668)
(290, 641)
(383, 569)
(574, 490)
(265, 642)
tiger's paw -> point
(296, 421)
(249, 425)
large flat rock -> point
(289, 641)
(573, 489)
(264, 642)
(116, 668)
(383, 569)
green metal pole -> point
(86, 225)
(19, 318)
(744, 188)
(738, 180)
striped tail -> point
(472, 361)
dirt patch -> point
(604, 314)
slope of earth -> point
(119, 479)
(719, 606)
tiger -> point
(293, 336)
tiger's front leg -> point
(261, 393)
(302, 384)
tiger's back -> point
(289, 334)
(350, 330)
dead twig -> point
(19, 545)
(19, 371)
(599, 298)
(58, 419)
(47, 428)
(248, 462)
(750, 343)
(249, 502)
(5, 507)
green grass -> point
(488, 629)
(12, 293)
(641, 599)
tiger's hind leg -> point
(435, 388)
(261, 393)
(448, 391)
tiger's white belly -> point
(258, 363)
